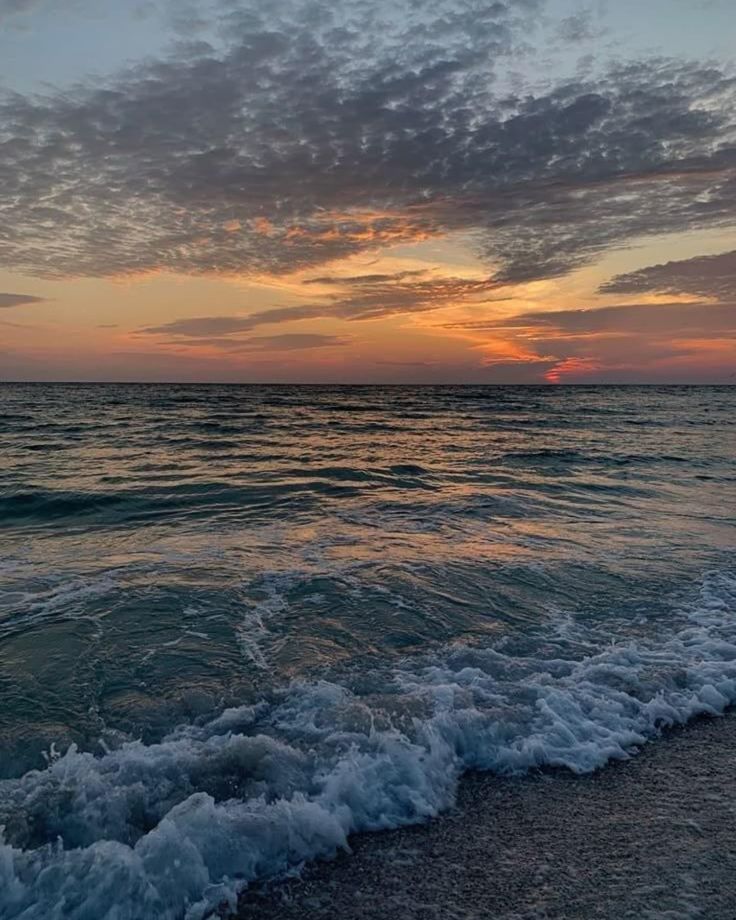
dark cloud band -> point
(703, 276)
(18, 300)
(318, 131)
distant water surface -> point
(238, 623)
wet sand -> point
(651, 838)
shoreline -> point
(649, 838)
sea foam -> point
(177, 828)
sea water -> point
(238, 624)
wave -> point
(47, 503)
(195, 497)
(165, 493)
(176, 829)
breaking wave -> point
(177, 828)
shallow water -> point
(238, 623)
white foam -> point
(173, 829)
(253, 631)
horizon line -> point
(304, 383)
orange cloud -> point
(263, 226)
(374, 229)
(571, 366)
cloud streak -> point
(361, 297)
(289, 341)
(18, 300)
(666, 319)
(703, 276)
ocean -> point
(240, 623)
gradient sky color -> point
(450, 191)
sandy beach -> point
(651, 838)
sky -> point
(419, 191)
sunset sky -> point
(450, 191)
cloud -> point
(643, 338)
(13, 12)
(366, 298)
(206, 326)
(697, 319)
(364, 279)
(315, 131)
(703, 276)
(406, 363)
(18, 300)
(12, 7)
(201, 326)
(361, 297)
(291, 341)
(578, 28)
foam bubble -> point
(176, 828)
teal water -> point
(238, 623)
